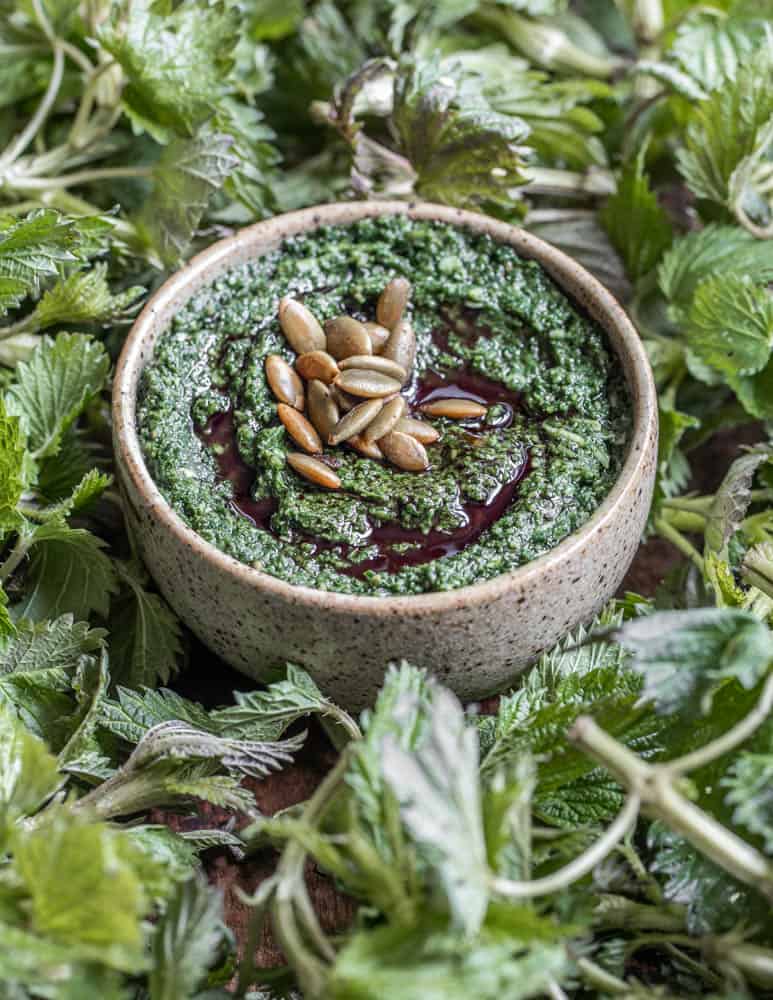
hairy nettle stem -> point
(654, 784)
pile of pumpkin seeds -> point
(348, 377)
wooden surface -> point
(211, 682)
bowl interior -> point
(263, 237)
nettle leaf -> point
(734, 124)
(186, 176)
(673, 471)
(563, 126)
(37, 246)
(437, 788)
(404, 686)
(11, 469)
(714, 900)
(84, 297)
(7, 627)
(60, 475)
(38, 667)
(146, 640)
(186, 940)
(69, 572)
(176, 64)
(685, 656)
(638, 227)
(28, 772)
(732, 499)
(428, 962)
(97, 909)
(729, 325)
(266, 714)
(135, 713)
(709, 49)
(463, 153)
(578, 233)
(710, 251)
(54, 386)
(750, 784)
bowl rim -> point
(570, 276)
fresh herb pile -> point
(609, 831)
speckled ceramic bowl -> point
(475, 639)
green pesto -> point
(574, 422)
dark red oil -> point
(461, 383)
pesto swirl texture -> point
(501, 317)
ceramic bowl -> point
(475, 639)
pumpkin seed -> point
(299, 429)
(367, 448)
(298, 324)
(385, 420)
(323, 411)
(347, 336)
(372, 362)
(368, 384)
(404, 451)
(343, 399)
(355, 421)
(454, 409)
(378, 334)
(418, 429)
(401, 346)
(317, 364)
(313, 470)
(284, 382)
(392, 302)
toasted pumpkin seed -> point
(385, 420)
(284, 382)
(323, 411)
(374, 363)
(299, 325)
(367, 448)
(378, 334)
(343, 399)
(368, 384)
(392, 302)
(299, 429)
(347, 336)
(355, 421)
(454, 409)
(418, 429)
(404, 451)
(317, 364)
(313, 470)
(401, 346)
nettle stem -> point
(668, 531)
(580, 866)
(654, 785)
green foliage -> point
(729, 135)
(37, 247)
(69, 572)
(186, 940)
(96, 910)
(467, 156)
(437, 788)
(146, 643)
(188, 172)
(28, 773)
(175, 63)
(53, 387)
(685, 656)
(637, 225)
(429, 964)
(11, 469)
